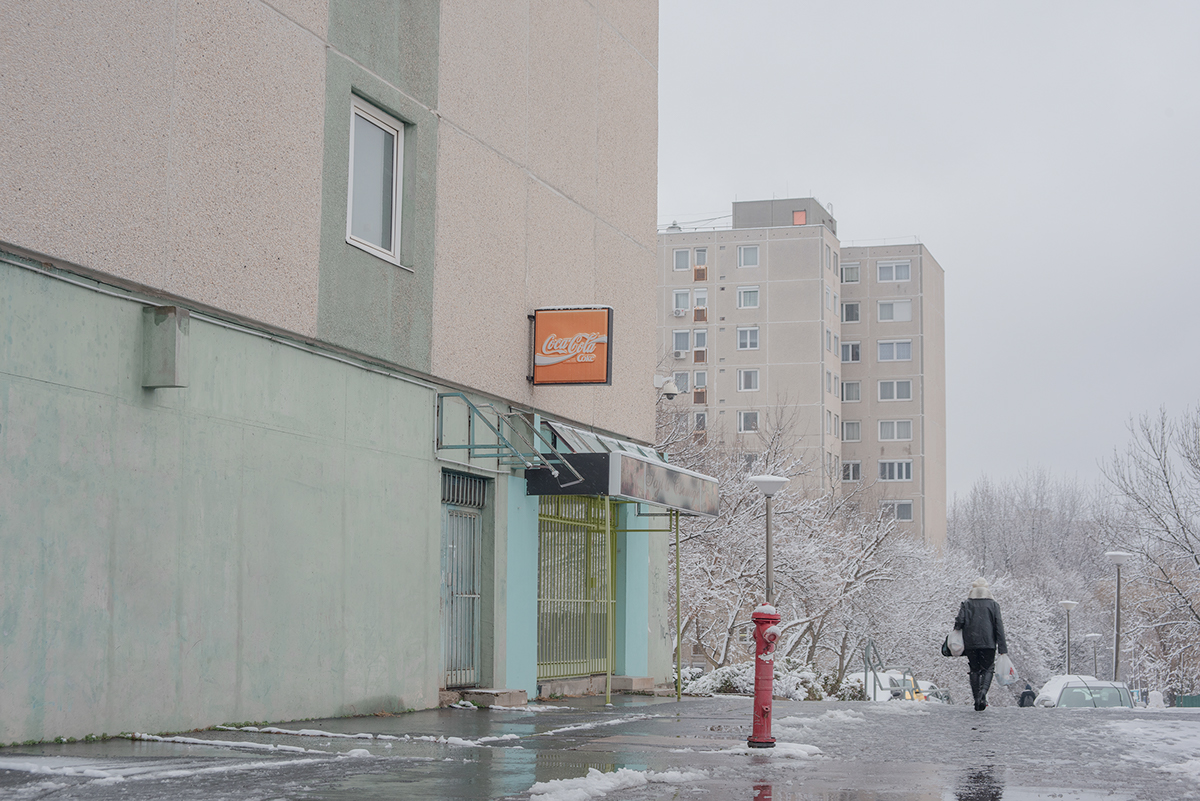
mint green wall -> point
(386, 53)
(522, 589)
(262, 544)
(633, 590)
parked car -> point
(1075, 691)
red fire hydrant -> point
(766, 632)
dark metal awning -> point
(622, 469)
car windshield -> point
(1094, 697)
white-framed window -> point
(850, 312)
(683, 299)
(898, 311)
(837, 424)
(849, 272)
(828, 422)
(747, 255)
(681, 379)
(851, 391)
(701, 257)
(747, 422)
(898, 470)
(835, 262)
(747, 297)
(829, 382)
(899, 350)
(701, 421)
(828, 298)
(828, 256)
(895, 390)
(747, 338)
(828, 340)
(837, 386)
(901, 510)
(700, 379)
(747, 380)
(851, 352)
(892, 271)
(376, 175)
(836, 307)
(851, 431)
(851, 471)
(681, 339)
(895, 430)
(701, 335)
(701, 297)
(683, 259)
(837, 344)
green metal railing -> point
(576, 598)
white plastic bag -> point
(1006, 674)
(955, 641)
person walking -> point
(983, 636)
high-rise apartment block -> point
(773, 320)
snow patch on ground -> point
(1172, 745)
(595, 724)
(106, 773)
(900, 707)
(781, 750)
(832, 716)
(248, 744)
(597, 784)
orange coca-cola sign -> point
(572, 345)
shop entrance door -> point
(462, 573)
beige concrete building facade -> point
(773, 322)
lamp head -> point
(768, 485)
(1118, 558)
(1068, 605)
(1091, 637)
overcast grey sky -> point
(1045, 153)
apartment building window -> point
(851, 471)
(850, 272)
(895, 470)
(836, 307)
(851, 431)
(683, 259)
(747, 422)
(701, 421)
(828, 422)
(747, 338)
(683, 300)
(700, 379)
(747, 380)
(851, 352)
(898, 311)
(851, 391)
(828, 340)
(895, 350)
(849, 312)
(828, 298)
(701, 257)
(376, 169)
(895, 390)
(837, 386)
(828, 256)
(681, 379)
(901, 510)
(747, 255)
(829, 382)
(895, 430)
(747, 297)
(837, 344)
(681, 339)
(835, 262)
(701, 297)
(701, 335)
(891, 271)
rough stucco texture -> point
(178, 145)
(547, 162)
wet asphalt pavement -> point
(868, 752)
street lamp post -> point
(1068, 605)
(766, 631)
(1093, 639)
(1118, 558)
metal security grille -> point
(462, 545)
(463, 490)
(575, 589)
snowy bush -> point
(793, 680)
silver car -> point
(1086, 692)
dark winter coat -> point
(982, 628)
